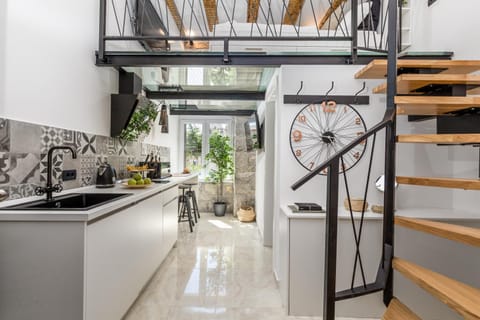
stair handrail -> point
(388, 118)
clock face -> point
(321, 130)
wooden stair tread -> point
(431, 105)
(439, 138)
(474, 91)
(462, 298)
(377, 69)
(398, 311)
(406, 83)
(449, 231)
(456, 183)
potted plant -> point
(141, 122)
(221, 156)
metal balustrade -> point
(295, 28)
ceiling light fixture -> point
(164, 118)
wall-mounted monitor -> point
(253, 133)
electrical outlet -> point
(68, 175)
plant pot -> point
(246, 214)
(219, 208)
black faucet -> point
(49, 189)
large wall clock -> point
(321, 130)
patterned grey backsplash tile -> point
(50, 137)
(24, 137)
(4, 135)
(23, 156)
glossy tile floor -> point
(220, 271)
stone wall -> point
(207, 195)
(245, 163)
(241, 191)
(23, 156)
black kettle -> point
(106, 176)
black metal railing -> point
(333, 166)
(157, 25)
(384, 279)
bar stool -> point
(184, 207)
(192, 195)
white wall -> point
(3, 22)
(265, 167)
(50, 71)
(446, 25)
(260, 181)
(170, 139)
(317, 80)
(47, 68)
(412, 159)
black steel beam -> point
(207, 95)
(136, 59)
(197, 112)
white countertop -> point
(342, 214)
(439, 214)
(87, 215)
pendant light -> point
(164, 118)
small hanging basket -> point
(246, 214)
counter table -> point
(85, 265)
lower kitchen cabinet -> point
(85, 270)
(170, 219)
(301, 259)
(123, 250)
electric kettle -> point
(106, 176)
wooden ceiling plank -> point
(210, 7)
(252, 10)
(334, 6)
(177, 18)
(293, 11)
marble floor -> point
(220, 271)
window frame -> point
(205, 121)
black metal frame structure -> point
(207, 95)
(374, 20)
(384, 279)
(389, 30)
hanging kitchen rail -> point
(341, 99)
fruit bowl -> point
(136, 186)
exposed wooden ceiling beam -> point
(252, 13)
(334, 6)
(210, 7)
(293, 11)
(172, 7)
(176, 16)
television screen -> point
(253, 133)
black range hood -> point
(123, 104)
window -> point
(194, 136)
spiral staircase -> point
(445, 90)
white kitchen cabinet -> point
(123, 251)
(85, 265)
(301, 256)
(170, 219)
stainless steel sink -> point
(73, 201)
